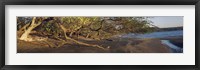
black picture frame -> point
(98, 2)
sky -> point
(167, 21)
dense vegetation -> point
(66, 29)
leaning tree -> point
(68, 28)
(36, 21)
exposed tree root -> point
(62, 42)
(50, 44)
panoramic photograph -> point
(99, 34)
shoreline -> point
(174, 48)
(176, 40)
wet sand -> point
(177, 40)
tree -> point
(69, 28)
(34, 23)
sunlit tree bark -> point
(30, 28)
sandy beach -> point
(115, 45)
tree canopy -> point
(88, 27)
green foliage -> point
(95, 27)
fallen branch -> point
(50, 44)
(82, 43)
(62, 42)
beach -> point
(146, 43)
(117, 45)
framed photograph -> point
(107, 34)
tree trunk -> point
(28, 31)
(78, 32)
(21, 30)
(71, 34)
(78, 42)
(88, 35)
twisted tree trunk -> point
(28, 31)
(78, 42)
